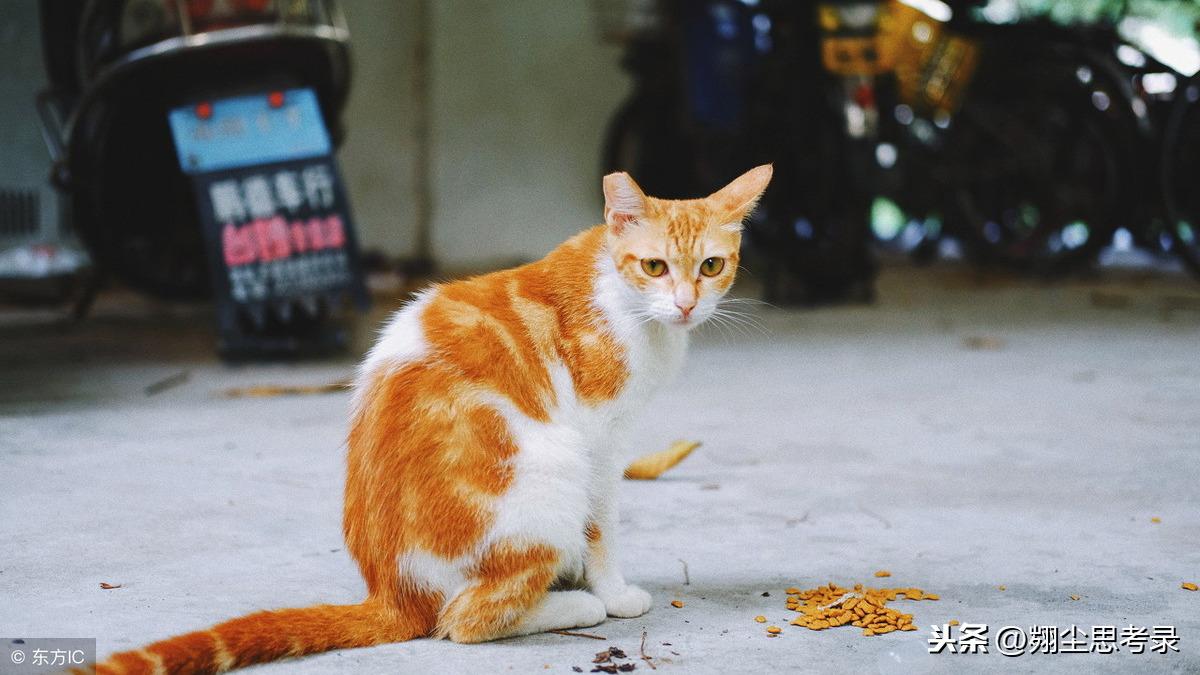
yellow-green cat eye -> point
(654, 267)
(711, 267)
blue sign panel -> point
(246, 131)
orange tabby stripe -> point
(506, 584)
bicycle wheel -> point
(1181, 170)
(1037, 158)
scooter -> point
(195, 141)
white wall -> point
(521, 92)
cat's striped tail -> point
(262, 637)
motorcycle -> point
(723, 84)
(194, 140)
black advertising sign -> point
(276, 220)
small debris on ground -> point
(272, 390)
(108, 587)
(983, 343)
(1156, 520)
(677, 603)
(883, 573)
(646, 657)
(760, 618)
(606, 661)
(572, 633)
(1002, 588)
(169, 382)
(1074, 597)
(1189, 586)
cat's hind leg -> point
(507, 594)
(560, 610)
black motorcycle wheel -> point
(1036, 160)
(643, 139)
(1181, 169)
(137, 211)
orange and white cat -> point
(483, 451)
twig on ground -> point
(572, 633)
(646, 657)
(169, 382)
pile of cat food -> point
(832, 606)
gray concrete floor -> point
(964, 433)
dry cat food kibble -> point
(832, 606)
(1189, 586)
(677, 604)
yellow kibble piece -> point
(883, 573)
(760, 618)
(952, 622)
(1074, 597)
(677, 603)
(774, 630)
(1156, 520)
(792, 590)
(1002, 588)
(1189, 586)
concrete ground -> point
(1007, 445)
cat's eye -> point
(654, 267)
(711, 267)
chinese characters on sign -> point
(281, 232)
(972, 638)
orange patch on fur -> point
(506, 584)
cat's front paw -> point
(629, 603)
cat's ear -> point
(624, 201)
(740, 197)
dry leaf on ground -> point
(654, 465)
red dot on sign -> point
(275, 99)
(204, 111)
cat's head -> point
(680, 256)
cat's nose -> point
(686, 307)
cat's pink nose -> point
(686, 307)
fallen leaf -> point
(656, 464)
(271, 390)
